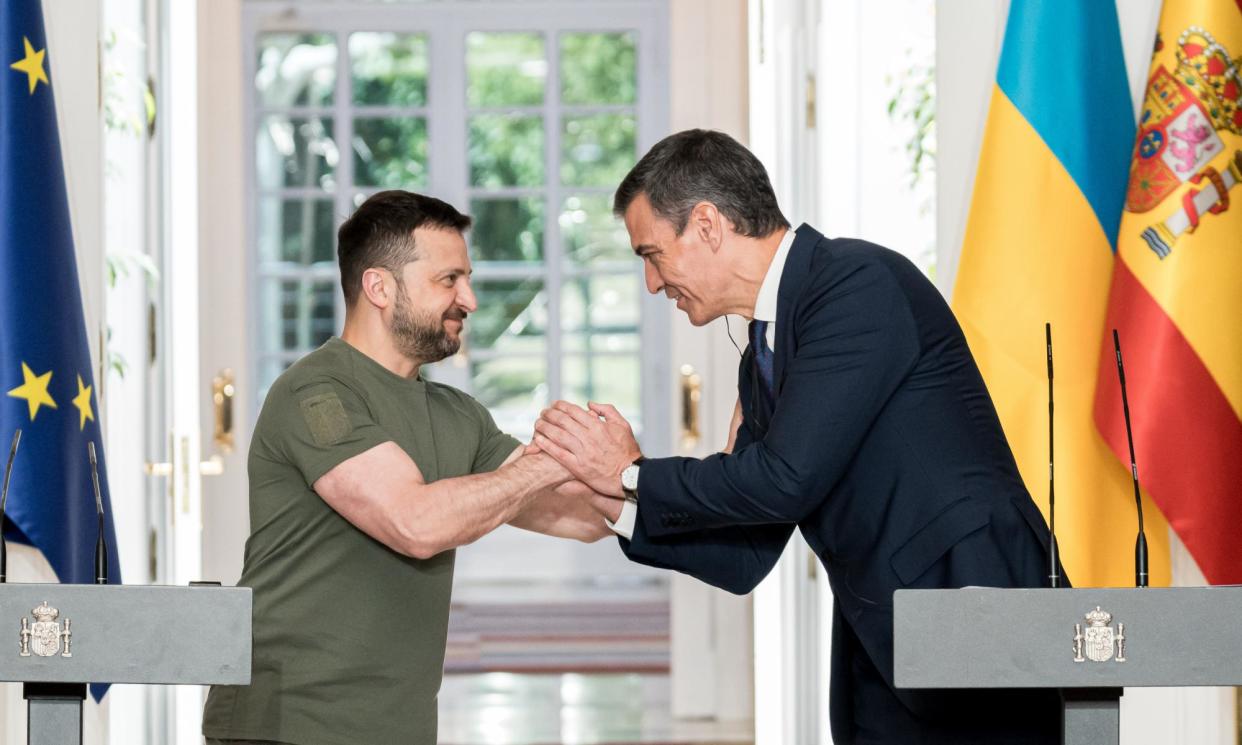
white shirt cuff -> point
(624, 526)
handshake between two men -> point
(862, 422)
(596, 446)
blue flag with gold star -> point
(47, 386)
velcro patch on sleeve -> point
(326, 418)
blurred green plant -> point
(912, 105)
(129, 110)
(505, 69)
(388, 69)
(598, 69)
(129, 105)
(912, 108)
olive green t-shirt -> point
(349, 635)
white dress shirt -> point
(765, 310)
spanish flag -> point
(1176, 295)
(1039, 248)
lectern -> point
(1088, 643)
(57, 638)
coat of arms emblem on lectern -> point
(45, 635)
(1100, 640)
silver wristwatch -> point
(629, 479)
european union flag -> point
(46, 383)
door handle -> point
(691, 395)
(223, 390)
(180, 468)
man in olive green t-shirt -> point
(363, 479)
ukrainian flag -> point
(1039, 248)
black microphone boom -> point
(4, 503)
(1054, 560)
(1140, 546)
(101, 548)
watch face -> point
(629, 478)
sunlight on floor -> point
(571, 709)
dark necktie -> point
(765, 396)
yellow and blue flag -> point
(1039, 247)
(46, 383)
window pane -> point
(301, 231)
(507, 229)
(388, 69)
(590, 233)
(609, 379)
(269, 369)
(296, 315)
(390, 152)
(597, 150)
(512, 316)
(598, 69)
(295, 69)
(295, 152)
(514, 390)
(601, 313)
(506, 150)
(505, 69)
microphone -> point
(4, 503)
(1054, 563)
(101, 548)
(1140, 546)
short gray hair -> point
(700, 165)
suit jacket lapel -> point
(793, 281)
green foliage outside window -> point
(598, 69)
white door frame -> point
(791, 674)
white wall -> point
(225, 315)
(865, 188)
(1149, 716)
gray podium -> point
(1089, 643)
(57, 638)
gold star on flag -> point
(32, 65)
(34, 390)
(83, 402)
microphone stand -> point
(4, 503)
(1054, 561)
(1140, 546)
(101, 548)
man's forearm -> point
(457, 511)
(565, 512)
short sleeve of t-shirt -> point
(319, 424)
(494, 445)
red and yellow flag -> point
(1176, 296)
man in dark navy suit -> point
(863, 421)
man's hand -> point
(594, 446)
(734, 425)
(552, 471)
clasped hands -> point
(593, 444)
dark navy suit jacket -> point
(884, 449)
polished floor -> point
(571, 709)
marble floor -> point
(571, 709)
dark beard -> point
(419, 336)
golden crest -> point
(1182, 114)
